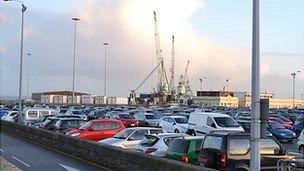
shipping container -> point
(87, 99)
(47, 99)
(100, 100)
(60, 99)
(117, 100)
(77, 99)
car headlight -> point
(283, 134)
(75, 134)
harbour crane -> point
(172, 81)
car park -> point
(97, 114)
(98, 129)
(177, 124)
(77, 112)
(185, 149)
(231, 151)
(201, 123)
(130, 137)
(157, 145)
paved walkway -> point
(7, 166)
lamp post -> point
(105, 68)
(255, 159)
(28, 74)
(293, 74)
(201, 82)
(75, 19)
(23, 9)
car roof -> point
(137, 128)
(176, 116)
(162, 135)
(64, 119)
(105, 120)
(212, 114)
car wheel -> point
(301, 149)
(176, 131)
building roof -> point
(64, 93)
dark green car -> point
(185, 150)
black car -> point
(231, 151)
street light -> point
(105, 69)
(224, 87)
(293, 74)
(74, 57)
(28, 74)
(23, 9)
(201, 82)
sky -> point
(215, 35)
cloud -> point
(129, 29)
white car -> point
(11, 116)
(157, 145)
(301, 142)
(201, 123)
(177, 124)
(129, 138)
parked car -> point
(64, 125)
(300, 142)
(63, 111)
(231, 151)
(280, 132)
(32, 115)
(48, 124)
(97, 114)
(185, 149)
(157, 145)
(177, 124)
(77, 112)
(127, 119)
(201, 123)
(98, 129)
(130, 137)
(298, 125)
(281, 119)
(11, 116)
(41, 120)
(146, 119)
(243, 115)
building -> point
(216, 98)
(57, 97)
(245, 100)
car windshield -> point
(151, 117)
(181, 120)
(86, 125)
(63, 110)
(277, 126)
(225, 122)
(125, 116)
(123, 134)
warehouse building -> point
(216, 98)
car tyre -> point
(176, 131)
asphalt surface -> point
(32, 157)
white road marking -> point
(68, 168)
(21, 161)
(1, 150)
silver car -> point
(147, 119)
(158, 144)
(130, 137)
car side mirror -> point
(174, 123)
(213, 125)
(130, 139)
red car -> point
(127, 119)
(280, 121)
(98, 129)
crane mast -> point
(162, 80)
(172, 81)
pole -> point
(74, 57)
(293, 90)
(105, 68)
(255, 162)
(21, 63)
(28, 74)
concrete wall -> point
(110, 157)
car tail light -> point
(223, 160)
(185, 158)
(151, 150)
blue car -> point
(3, 112)
(280, 132)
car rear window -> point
(149, 141)
(179, 146)
(156, 131)
(238, 146)
(113, 125)
(169, 140)
(213, 142)
(32, 114)
(151, 117)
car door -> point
(133, 140)
(97, 130)
(164, 124)
(171, 125)
(268, 156)
(210, 125)
(111, 128)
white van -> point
(32, 115)
(201, 123)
